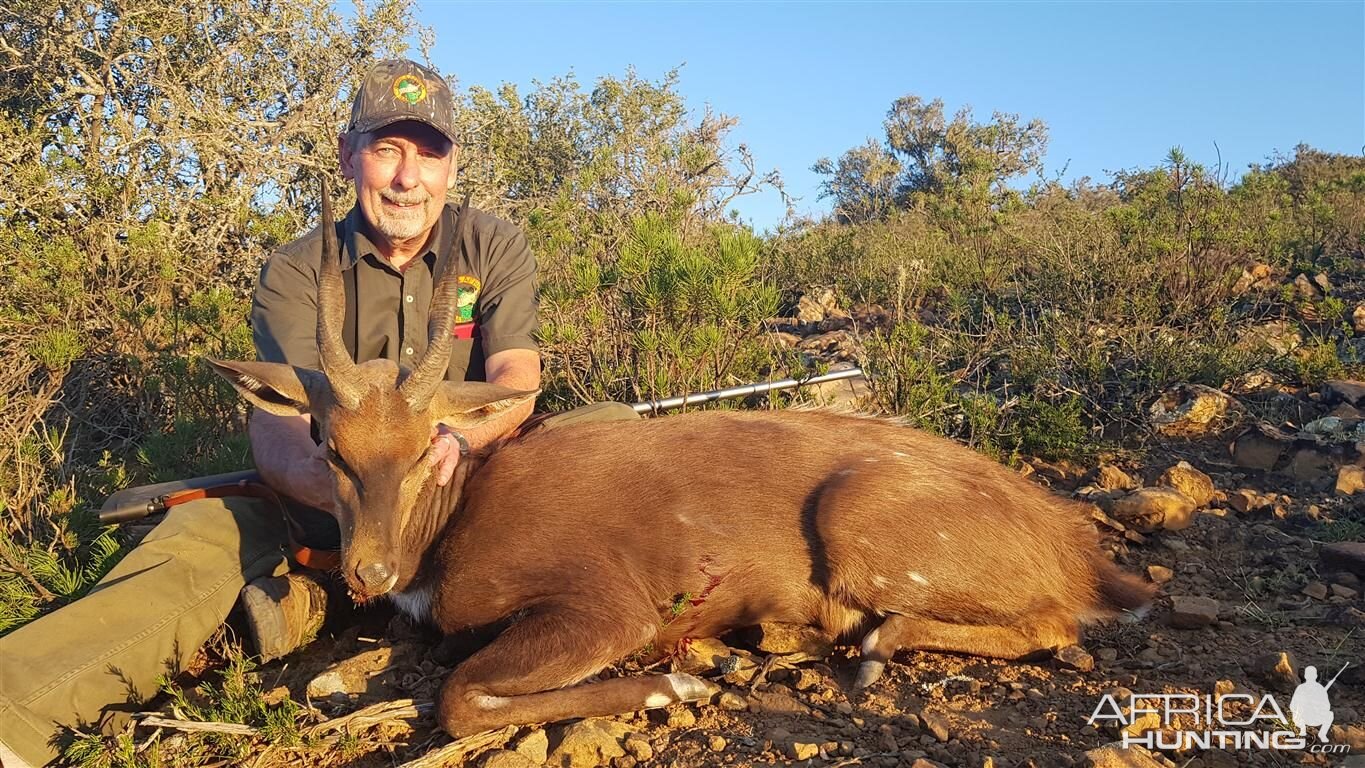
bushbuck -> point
(581, 543)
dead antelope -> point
(579, 541)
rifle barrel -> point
(656, 406)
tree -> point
(957, 168)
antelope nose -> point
(375, 577)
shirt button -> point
(409, 299)
(408, 351)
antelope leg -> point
(521, 677)
(1001, 642)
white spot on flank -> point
(881, 581)
(656, 700)
(944, 536)
(871, 461)
(983, 493)
(915, 577)
(414, 602)
(490, 702)
(902, 455)
(843, 472)
(863, 540)
(684, 519)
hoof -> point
(869, 672)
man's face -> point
(401, 174)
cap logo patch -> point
(410, 88)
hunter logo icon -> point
(410, 88)
(467, 293)
(1310, 706)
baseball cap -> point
(397, 90)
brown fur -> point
(589, 535)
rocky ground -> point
(1249, 513)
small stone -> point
(624, 761)
(1191, 410)
(1117, 756)
(716, 743)
(1304, 285)
(371, 670)
(1159, 574)
(1350, 480)
(1224, 688)
(1185, 478)
(535, 746)
(764, 702)
(1311, 466)
(1075, 657)
(1343, 591)
(804, 679)
(886, 738)
(589, 744)
(773, 637)
(1107, 655)
(732, 702)
(936, 724)
(702, 656)
(1346, 556)
(1111, 478)
(1277, 669)
(638, 747)
(1343, 391)
(1259, 448)
(681, 718)
(1316, 590)
(503, 758)
(1191, 612)
(1148, 509)
(803, 750)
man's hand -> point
(445, 453)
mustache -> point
(412, 198)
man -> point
(399, 149)
(167, 597)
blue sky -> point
(1117, 83)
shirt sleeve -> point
(508, 308)
(284, 311)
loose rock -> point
(589, 743)
(1148, 509)
(1159, 574)
(1075, 657)
(1346, 556)
(535, 746)
(503, 758)
(1278, 670)
(1195, 484)
(1191, 410)
(1116, 756)
(1350, 479)
(1111, 478)
(1191, 612)
(773, 637)
(1316, 590)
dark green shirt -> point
(497, 297)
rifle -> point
(141, 501)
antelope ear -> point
(275, 387)
(470, 403)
